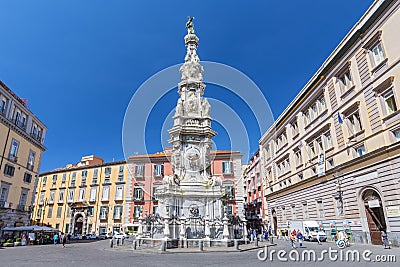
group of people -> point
(60, 238)
(296, 235)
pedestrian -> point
(294, 232)
(300, 238)
(319, 241)
(254, 233)
(64, 240)
(385, 239)
(292, 239)
(55, 238)
(266, 237)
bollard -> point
(122, 241)
(111, 243)
(201, 248)
(134, 245)
(256, 242)
(236, 242)
(251, 238)
(164, 246)
(272, 239)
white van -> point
(310, 230)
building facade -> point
(253, 188)
(22, 144)
(97, 197)
(333, 154)
(88, 197)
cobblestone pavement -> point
(100, 254)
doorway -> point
(275, 222)
(78, 224)
(375, 216)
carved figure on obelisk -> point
(190, 25)
(205, 107)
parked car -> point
(120, 235)
(103, 236)
(92, 236)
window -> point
(27, 178)
(328, 140)
(139, 171)
(390, 103)
(360, 151)
(345, 80)
(230, 190)
(84, 174)
(36, 132)
(31, 160)
(397, 135)
(82, 192)
(117, 212)
(283, 215)
(64, 178)
(68, 212)
(314, 110)
(331, 164)
(298, 157)
(106, 193)
(54, 178)
(22, 199)
(71, 195)
(52, 195)
(378, 55)
(59, 211)
(103, 212)
(39, 214)
(158, 170)
(138, 193)
(9, 170)
(121, 170)
(293, 211)
(312, 150)
(295, 129)
(3, 104)
(155, 209)
(41, 198)
(73, 176)
(320, 145)
(44, 180)
(354, 125)
(320, 208)
(13, 151)
(227, 167)
(305, 210)
(119, 192)
(154, 193)
(49, 212)
(95, 173)
(61, 196)
(107, 171)
(229, 209)
(137, 210)
(93, 192)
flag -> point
(340, 120)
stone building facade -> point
(333, 154)
(22, 137)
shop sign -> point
(374, 203)
(393, 211)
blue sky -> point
(80, 62)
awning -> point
(30, 228)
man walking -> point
(64, 240)
(55, 238)
(300, 238)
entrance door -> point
(375, 217)
(275, 222)
(78, 225)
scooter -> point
(342, 243)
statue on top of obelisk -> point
(190, 25)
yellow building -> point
(88, 197)
(21, 144)
(333, 154)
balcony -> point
(12, 158)
(30, 167)
(20, 124)
(6, 205)
(103, 217)
(117, 217)
(36, 136)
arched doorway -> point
(78, 224)
(275, 221)
(375, 216)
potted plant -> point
(9, 243)
(17, 242)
